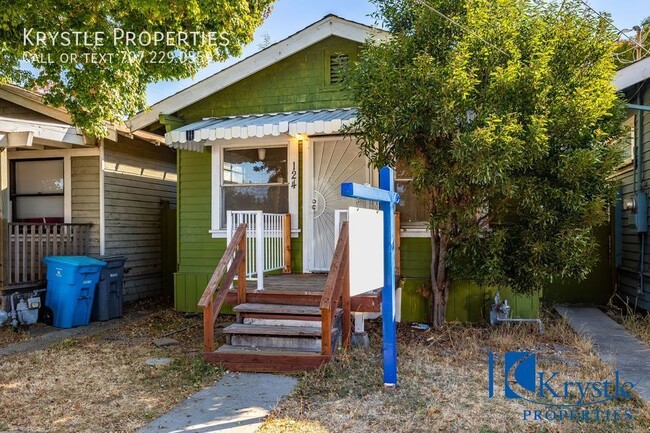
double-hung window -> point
(37, 190)
(254, 179)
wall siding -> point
(9, 109)
(626, 275)
(138, 177)
(85, 196)
(468, 302)
(296, 83)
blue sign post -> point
(387, 198)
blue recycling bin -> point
(71, 282)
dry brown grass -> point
(100, 383)
(443, 385)
(637, 322)
(10, 336)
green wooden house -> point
(262, 142)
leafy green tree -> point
(101, 74)
(506, 117)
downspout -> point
(640, 194)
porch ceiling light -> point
(261, 153)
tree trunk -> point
(439, 284)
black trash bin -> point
(108, 295)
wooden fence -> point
(28, 243)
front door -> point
(335, 160)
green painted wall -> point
(296, 83)
(468, 302)
(597, 288)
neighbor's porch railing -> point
(28, 243)
(268, 241)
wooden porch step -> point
(279, 309)
(265, 350)
(263, 360)
(276, 330)
(368, 302)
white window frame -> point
(217, 151)
(8, 155)
(631, 136)
(418, 229)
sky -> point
(290, 16)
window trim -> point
(412, 227)
(217, 185)
(630, 121)
(12, 214)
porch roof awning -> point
(196, 135)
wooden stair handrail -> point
(232, 263)
(337, 286)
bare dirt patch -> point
(443, 385)
(101, 382)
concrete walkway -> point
(613, 344)
(53, 335)
(238, 403)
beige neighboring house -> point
(64, 193)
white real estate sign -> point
(366, 248)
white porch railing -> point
(340, 216)
(268, 238)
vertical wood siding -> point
(137, 177)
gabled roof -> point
(331, 25)
(34, 101)
(195, 135)
(635, 73)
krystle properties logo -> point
(564, 400)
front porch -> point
(293, 323)
(302, 289)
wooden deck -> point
(302, 289)
(295, 282)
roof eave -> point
(633, 74)
(328, 26)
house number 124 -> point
(294, 175)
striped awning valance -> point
(196, 135)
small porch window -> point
(37, 190)
(413, 209)
(628, 142)
(255, 179)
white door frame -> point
(307, 192)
